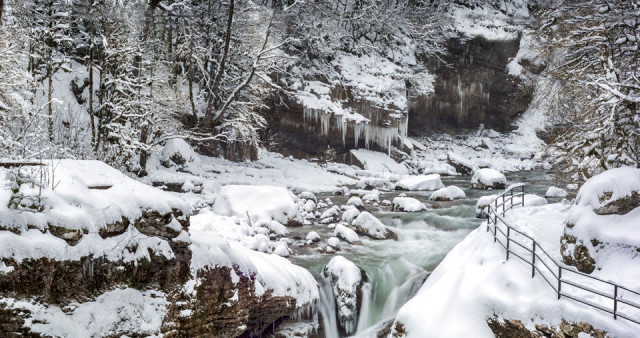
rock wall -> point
(472, 87)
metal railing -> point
(592, 291)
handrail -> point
(509, 200)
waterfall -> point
(327, 309)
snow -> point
(313, 236)
(619, 182)
(556, 192)
(73, 203)
(371, 196)
(346, 234)
(377, 161)
(374, 182)
(482, 204)
(369, 225)
(223, 241)
(307, 195)
(349, 215)
(448, 194)
(179, 152)
(119, 311)
(345, 278)
(408, 204)
(488, 178)
(420, 182)
(435, 167)
(476, 281)
(334, 242)
(355, 201)
(258, 202)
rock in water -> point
(346, 234)
(449, 193)
(346, 280)
(420, 182)
(368, 225)
(488, 179)
(407, 204)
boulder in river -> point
(407, 204)
(461, 164)
(368, 225)
(420, 182)
(449, 193)
(346, 280)
(488, 179)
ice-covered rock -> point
(346, 280)
(461, 164)
(257, 202)
(349, 215)
(346, 234)
(449, 193)
(368, 225)
(420, 182)
(407, 204)
(177, 152)
(556, 192)
(374, 183)
(487, 178)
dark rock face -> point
(473, 88)
(579, 257)
(620, 206)
(516, 329)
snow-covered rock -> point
(407, 204)
(449, 193)
(177, 152)
(373, 196)
(331, 213)
(556, 192)
(374, 183)
(420, 182)
(461, 164)
(313, 236)
(307, 195)
(487, 178)
(334, 242)
(257, 202)
(356, 202)
(435, 167)
(281, 249)
(346, 280)
(481, 205)
(346, 234)
(602, 230)
(349, 215)
(376, 161)
(368, 225)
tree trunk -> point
(193, 105)
(91, 117)
(1, 10)
(208, 119)
(49, 97)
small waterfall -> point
(327, 309)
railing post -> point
(559, 280)
(508, 232)
(503, 206)
(533, 260)
(615, 301)
(495, 231)
(523, 195)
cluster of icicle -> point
(381, 136)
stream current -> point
(397, 269)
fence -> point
(565, 281)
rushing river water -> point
(397, 269)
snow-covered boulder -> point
(407, 204)
(481, 205)
(602, 230)
(331, 213)
(258, 202)
(461, 164)
(307, 195)
(313, 236)
(350, 214)
(435, 167)
(177, 152)
(420, 182)
(449, 193)
(376, 161)
(374, 183)
(346, 280)
(356, 202)
(373, 196)
(556, 192)
(281, 249)
(334, 242)
(346, 234)
(487, 178)
(368, 225)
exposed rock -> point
(509, 328)
(462, 165)
(574, 252)
(488, 179)
(368, 225)
(619, 206)
(407, 204)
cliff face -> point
(472, 87)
